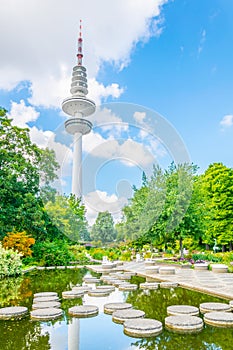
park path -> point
(219, 284)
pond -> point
(99, 333)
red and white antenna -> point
(80, 45)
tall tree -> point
(103, 229)
(217, 188)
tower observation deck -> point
(78, 107)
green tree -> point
(217, 186)
(68, 215)
(103, 228)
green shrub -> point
(53, 253)
(10, 262)
(98, 253)
(125, 256)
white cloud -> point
(227, 121)
(139, 116)
(202, 41)
(22, 114)
(40, 46)
(99, 201)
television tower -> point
(78, 107)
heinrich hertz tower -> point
(78, 107)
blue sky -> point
(163, 68)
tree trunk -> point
(181, 248)
(223, 248)
(230, 246)
(207, 246)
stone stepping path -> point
(45, 294)
(90, 279)
(111, 307)
(142, 327)
(103, 287)
(121, 316)
(149, 285)
(210, 307)
(13, 312)
(168, 285)
(82, 311)
(175, 310)
(46, 314)
(99, 292)
(129, 287)
(84, 289)
(231, 305)
(71, 294)
(46, 305)
(219, 319)
(184, 323)
(45, 299)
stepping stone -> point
(219, 268)
(149, 285)
(210, 307)
(184, 323)
(175, 310)
(168, 285)
(46, 314)
(201, 267)
(167, 270)
(149, 263)
(221, 319)
(13, 312)
(99, 292)
(231, 305)
(71, 294)
(152, 269)
(45, 294)
(42, 299)
(142, 327)
(121, 316)
(112, 288)
(83, 289)
(46, 305)
(91, 279)
(82, 311)
(40, 268)
(129, 286)
(111, 307)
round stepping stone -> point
(124, 276)
(83, 289)
(149, 285)
(219, 268)
(221, 319)
(201, 267)
(152, 269)
(129, 286)
(149, 263)
(121, 316)
(184, 323)
(83, 311)
(111, 307)
(99, 292)
(143, 327)
(71, 294)
(167, 270)
(175, 310)
(168, 285)
(210, 307)
(45, 294)
(91, 279)
(45, 299)
(46, 305)
(231, 305)
(112, 288)
(13, 312)
(46, 314)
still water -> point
(99, 333)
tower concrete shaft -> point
(78, 107)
